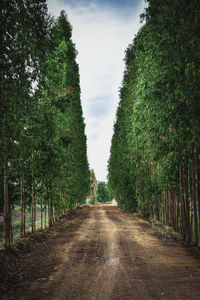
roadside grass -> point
(167, 231)
(16, 223)
(164, 231)
(17, 208)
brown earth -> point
(103, 254)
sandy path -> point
(111, 255)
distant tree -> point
(103, 194)
(93, 186)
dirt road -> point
(112, 255)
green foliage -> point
(103, 194)
(93, 186)
(158, 117)
(68, 146)
(121, 174)
(42, 128)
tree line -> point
(42, 131)
(154, 164)
(99, 190)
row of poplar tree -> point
(99, 191)
(154, 163)
(42, 132)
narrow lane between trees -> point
(108, 254)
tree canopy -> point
(103, 194)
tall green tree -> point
(44, 156)
(76, 167)
(22, 30)
(162, 77)
(93, 186)
(102, 192)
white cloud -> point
(101, 37)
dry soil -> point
(107, 254)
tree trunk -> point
(46, 206)
(45, 215)
(178, 214)
(51, 207)
(191, 219)
(194, 198)
(187, 205)
(183, 221)
(33, 207)
(198, 184)
(11, 229)
(158, 208)
(41, 214)
(163, 206)
(22, 225)
(24, 209)
(7, 211)
(167, 207)
(175, 211)
(172, 209)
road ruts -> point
(113, 255)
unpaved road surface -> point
(109, 254)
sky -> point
(102, 30)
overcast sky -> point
(102, 30)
